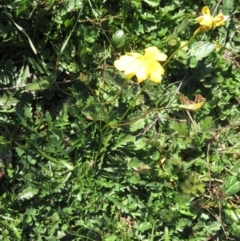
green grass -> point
(86, 154)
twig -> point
(208, 165)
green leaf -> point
(69, 166)
(200, 49)
(236, 168)
(123, 141)
(23, 75)
(183, 26)
(137, 125)
(153, 3)
(231, 186)
(106, 142)
(72, 3)
(41, 85)
(227, 7)
(139, 144)
(111, 238)
(144, 226)
(134, 163)
(23, 31)
(93, 111)
(166, 234)
(233, 215)
(134, 179)
(118, 38)
(6, 104)
(28, 193)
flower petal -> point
(151, 52)
(124, 62)
(205, 10)
(129, 63)
(219, 20)
(134, 66)
(205, 20)
(142, 73)
(161, 57)
(155, 71)
(154, 53)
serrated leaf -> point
(6, 101)
(93, 112)
(182, 223)
(140, 144)
(201, 49)
(106, 142)
(23, 75)
(28, 193)
(201, 187)
(123, 141)
(134, 163)
(137, 125)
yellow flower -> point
(219, 20)
(143, 66)
(207, 21)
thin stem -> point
(143, 115)
(184, 45)
(130, 106)
(121, 90)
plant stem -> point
(184, 45)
